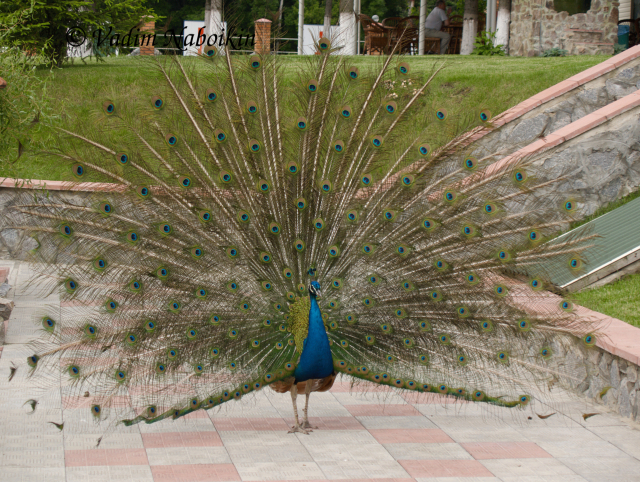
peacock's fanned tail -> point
(178, 281)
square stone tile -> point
(427, 451)
(33, 474)
(505, 450)
(379, 422)
(279, 471)
(195, 473)
(109, 474)
(264, 454)
(259, 439)
(445, 468)
(602, 468)
(388, 470)
(187, 456)
(527, 467)
(410, 435)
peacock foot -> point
(307, 425)
(299, 428)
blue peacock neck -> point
(316, 360)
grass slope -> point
(620, 299)
(495, 83)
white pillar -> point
(358, 9)
(213, 20)
(423, 19)
(300, 25)
(326, 28)
(347, 36)
(469, 26)
(503, 24)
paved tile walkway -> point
(362, 436)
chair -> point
(432, 44)
(375, 37)
(455, 19)
(633, 30)
(400, 30)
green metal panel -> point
(619, 232)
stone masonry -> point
(536, 27)
(604, 164)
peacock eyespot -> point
(108, 107)
(143, 191)
(441, 114)
(211, 95)
(48, 324)
(78, 170)
(254, 145)
(376, 141)
(470, 163)
(424, 149)
(338, 146)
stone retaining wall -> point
(605, 161)
(537, 27)
(605, 379)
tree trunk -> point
(326, 29)
(207, 19)
(502, 27)
(469, 26)
(347, 37)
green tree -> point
(22, 100)
(46, 22)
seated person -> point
(433, 26)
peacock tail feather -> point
(184, 282)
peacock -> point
(254, 227)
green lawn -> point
(495, 83)
(620, 299)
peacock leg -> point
(307, 392)
(297, 427)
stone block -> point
(632, 373)
(624, 403)
(6, 306)
(619, 89)
(614, 377)
(529, 129)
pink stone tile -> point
(4, 274)
(624, 57)
(445, 468)
(417, 398)
(581, 125)
(412, 435)
(195, 473)
(360, 386)
(181, 439)
(592, 73)
(249, 424)
(95, 457)
(390, 410)
(552, 140)
(332, 423)
(532, 148)
(505, 450)
(620, 106)
(555, 90)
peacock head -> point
(314, 289)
